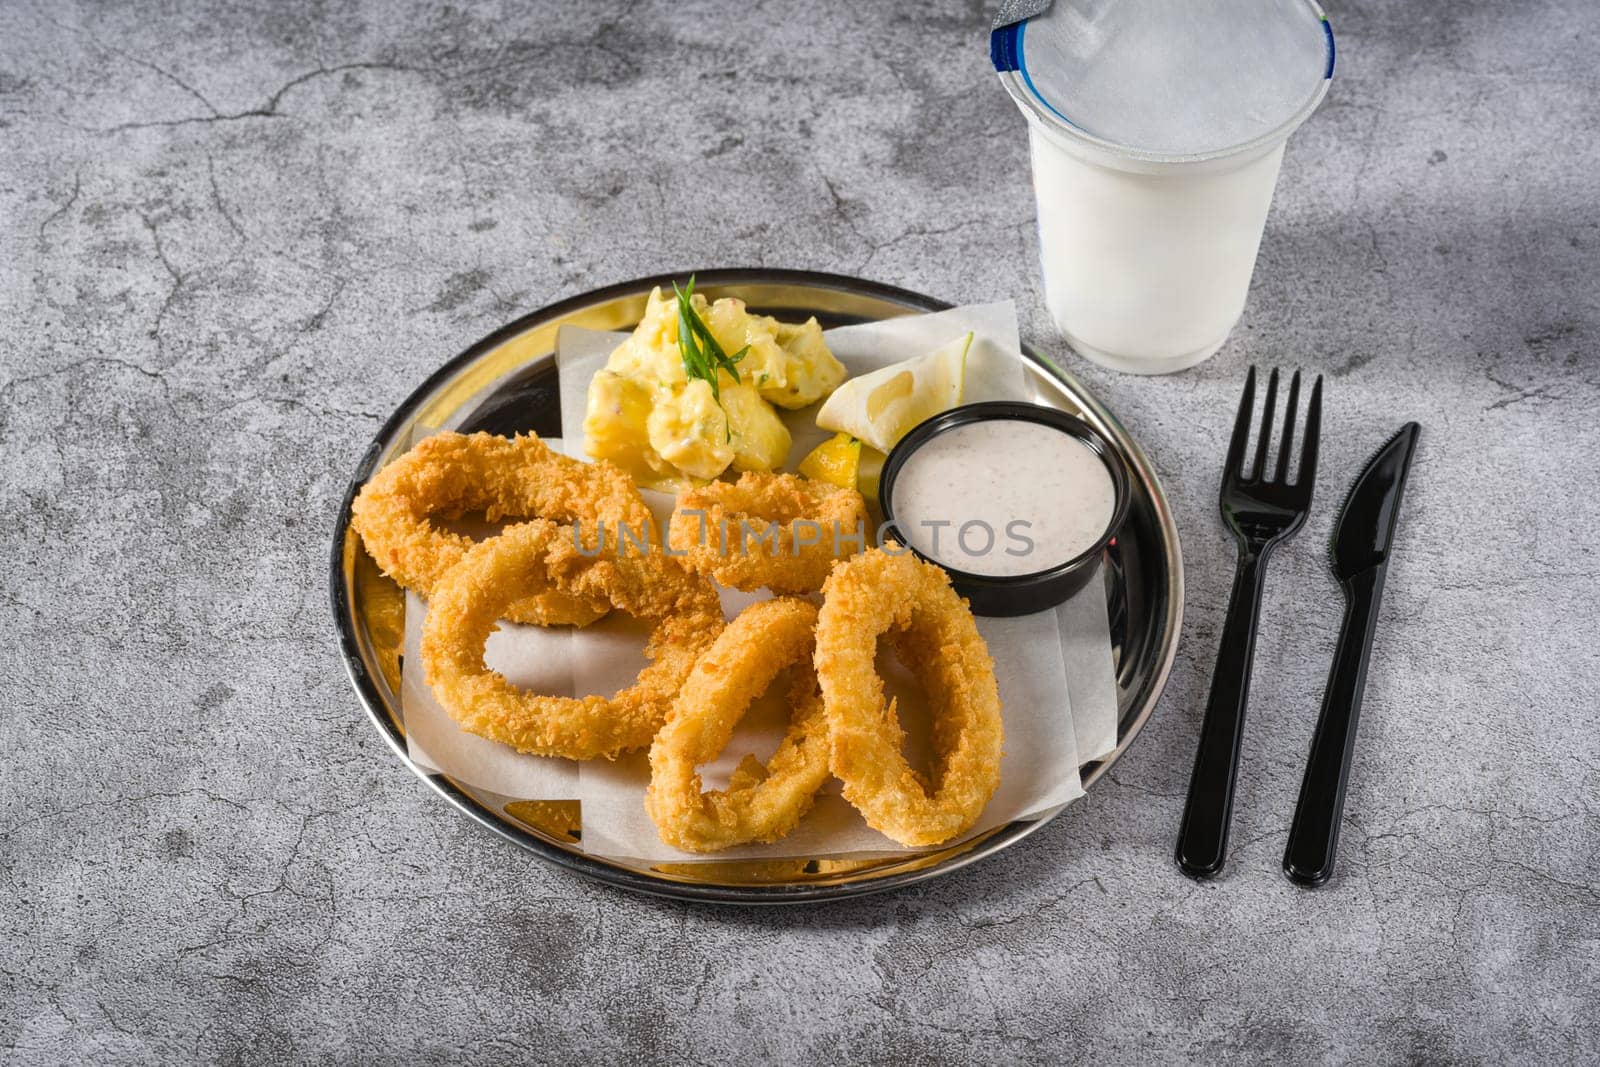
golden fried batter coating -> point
(450, 474)
(762, 802)
(533, 558)
(891, 593)
(776, 531)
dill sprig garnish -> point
(702, 356)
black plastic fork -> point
(1262, 511)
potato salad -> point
(672, 411)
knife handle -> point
(1314, 835)
(1203, 837)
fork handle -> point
(1314, 835)
(1203, 838)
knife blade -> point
(1359, 550)
(1364, 531)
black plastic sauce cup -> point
(1021, 594)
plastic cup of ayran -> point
(1157, 128)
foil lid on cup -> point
(1158, 80)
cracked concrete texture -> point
(237, 236)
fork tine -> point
(1233, 468)
(1286, 439)
(1268, 410)
(1308, 450)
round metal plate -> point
(506, 383)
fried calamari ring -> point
(449, 474)
(761, 803)
(532, 558)
(932, 630)
(776, 531)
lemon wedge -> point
(835, 461)
(880, 407)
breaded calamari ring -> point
(531, 558)
(776, 531)
(884, 593)
(761, 803)
(449, 474)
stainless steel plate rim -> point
(656, 883)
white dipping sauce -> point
(1003, 497)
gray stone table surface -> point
(236, 235)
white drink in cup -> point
(1157, 128)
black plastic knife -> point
(1362, 538)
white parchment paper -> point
(1054, 668)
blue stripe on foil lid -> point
(1003, 47)
(1327, 29)
(1022, 68)
(1005, 38)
